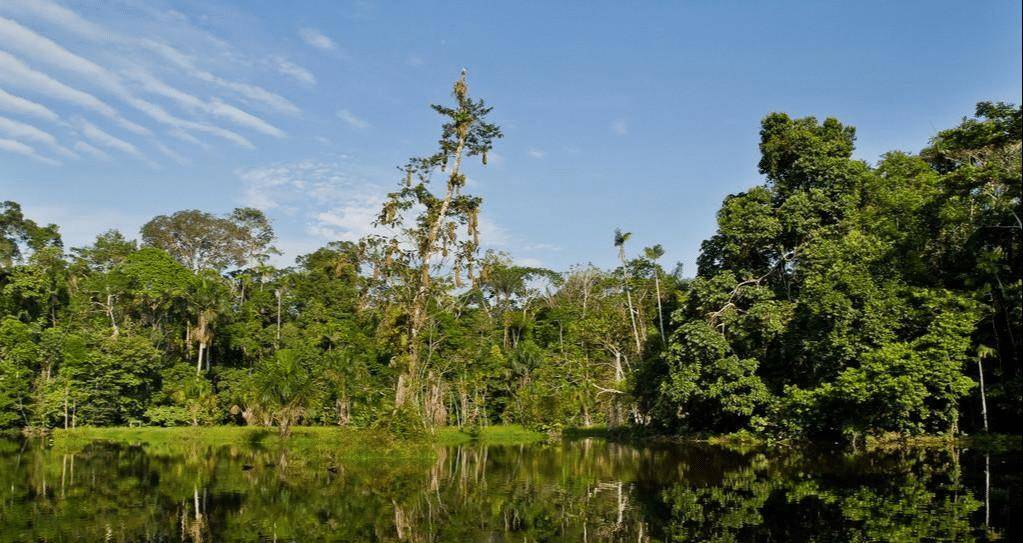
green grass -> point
(337, 442)
(351, 441)
(503, 434)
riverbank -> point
(748, 441)
(354, 442)
(357, 441)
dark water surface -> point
(576, 490)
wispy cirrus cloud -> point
(23, 106)
(317, 39)
(352, 120)
(26, 132)
(15, 73)
(19, 148)
(30, 44)
(98, 136)
(70, 21)
(215, 107)
(53, 54)
(60, 15)
(243, 118)
(91, 150)
(292, 70)
(252, 92)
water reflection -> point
(583, 490)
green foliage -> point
(19, 353)
(187, 398)
(836, 299)
(842, 300)
(710, 385)
(285, 388)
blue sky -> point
(638, 115)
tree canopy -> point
(836, 299)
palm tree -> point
(620, 239)
(285, 388)
(208, 299)
(653, 254)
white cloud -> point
(57, 14)
(23, 131)
(15, 73)
(160, 115)
(620, 127)
(214, 107)
(537, 153)
(172, 154)
(92, 132)
(300, 183)
(21, 39)
(349, 222)
(352, 120)
(22, 106)
(185, 136)
(292, 70)
(19, 148)
(71, 21)
(252, 92)
(242, 118)
(333, 203)
(493, 234)
(83, 147)
(316, 39)
(49, 52)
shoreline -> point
(366, 439)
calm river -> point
(573, 490)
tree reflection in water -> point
(578, 490)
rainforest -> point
(839, 304)
(838, 300)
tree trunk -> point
(983, 397)
(344, 415)
(628, 298)
(277, 339)
(110, 313)
(660, 311)
(198, 360)
(419, 301)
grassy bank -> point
(335, 438)
(336, 442)
(504, 434)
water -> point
(574, 490)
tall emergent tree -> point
(430, 242)
(620, 239)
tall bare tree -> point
(430, 242)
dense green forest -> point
(837, 299)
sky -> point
(639, 115)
